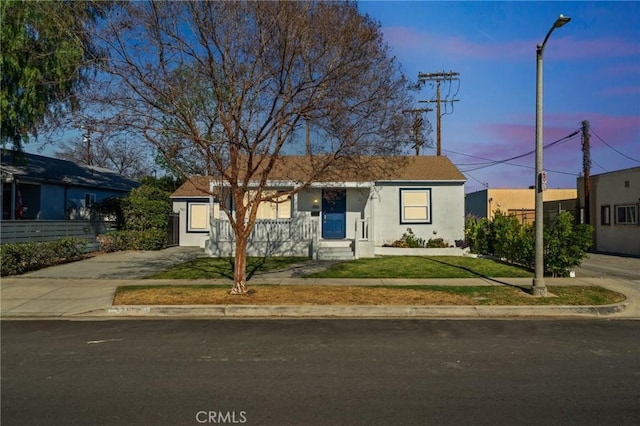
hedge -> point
(151, 239)
(18, 258)
(564, 243)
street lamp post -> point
(539, 288)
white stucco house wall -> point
(355, 216)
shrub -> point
(475, 233)
(437, 243)
(143, 218)
(107, 242)
(408, 240)
(151, 239)
(111, 208)
(19, 258)
(565, 244)
(146, 208)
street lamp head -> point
(561, 21)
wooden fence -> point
(20, 231)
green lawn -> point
(379, 267)
(211, 267)
(422, 267)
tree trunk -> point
(240, 267)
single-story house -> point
(614, 210)
(355, 216)
(519, 202)
(43, 188)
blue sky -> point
(591, 72)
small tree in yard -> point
(565, 244)
(145, 208)
(232, 87)
(142, 219)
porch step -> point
(335, 253)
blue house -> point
(35, 187)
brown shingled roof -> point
(297, 168)
(190, 187)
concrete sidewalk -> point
(93, 298)
(86, 289)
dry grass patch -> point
(359, 295)
(287, 295)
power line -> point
(511, 164)
(549, 145)
(595, 163)
(624, 155)
(484, 184)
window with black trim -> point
(198, 217)
(415, 205)
(605, 215)
(626, 215)
(89, 199)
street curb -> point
(284, 311)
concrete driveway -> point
(609, 266)
(120, 265)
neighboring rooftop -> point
(27, 167)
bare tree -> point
(234, 85)
(120, 152)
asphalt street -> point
(319, 372)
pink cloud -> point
(417, 42)
(621, 69)
(501, 141)
(567, 48)
(617, 91)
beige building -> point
(614, 211)
(519, 202)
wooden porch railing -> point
(302, 229)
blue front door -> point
(334, 212)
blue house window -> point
(89, 199)
(415, 205)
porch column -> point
(13, 200)
(294, 205)
(372, 214)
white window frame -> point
(278, 208)
(630, 213)
(190, 214)
(407, 203)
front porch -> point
(300, 236)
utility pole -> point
(86, 138)
(438, 77)
(586, 168)
(418, 121)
